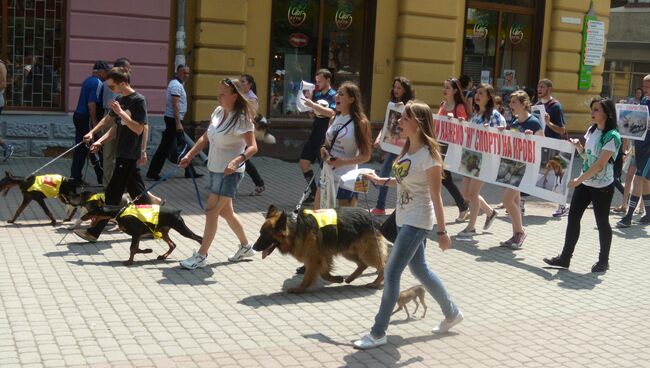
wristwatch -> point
(441, 232)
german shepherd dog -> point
(168, 218)
(300, 235)
(66, 188)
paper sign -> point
(300, 104)
(632, 121)
(539, 111)
(390, 140)
(353, 180)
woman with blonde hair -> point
(232, 142)
(524, 122)
(418, 176)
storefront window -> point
(33, 52)
(309, 35)
(500, 46)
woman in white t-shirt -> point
(418, 176)
(232, 142)
(595, 185)
(486, 114)
(351, 130)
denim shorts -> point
(225, 185)
(346, 194)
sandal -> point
(620, 209)
(258, 191)
(462, 216)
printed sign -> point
(532, 164)
(296, 14)
(298, 40)
(516, 34)
(390, 134)
(343, 19)
(632, 121)
(539, 111)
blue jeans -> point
(408, 249)
(385, 172)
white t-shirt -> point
(226, 140)
(414, 204)
(606, 176)
(345, 145)
(250, 96)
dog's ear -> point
(271, 211)
(281, 224)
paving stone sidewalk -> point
(67, 303)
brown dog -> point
(314, 242)
(413, 293)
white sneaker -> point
(445, 325)
(244, 251)
(369, 342)
(195, 261)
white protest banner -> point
(632, 121)
(300, 104)
(390, 139)
(539, 166)
(539, 111)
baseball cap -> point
(100, 65)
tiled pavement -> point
(64, 302)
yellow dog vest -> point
(49, 185)
(147, 214)
(100, 197)
(325, 217)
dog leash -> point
(56, 158)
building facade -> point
(508, 43)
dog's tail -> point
(8, 182)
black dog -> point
(88, 202)
(131, 222)
(37, 188)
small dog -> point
(37, 188)
(411, 294)
(135, 221)
(315, 242)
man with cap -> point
(85, 117)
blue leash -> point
(196, 188)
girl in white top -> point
(232, 142)
(485, 113)
(353, 141)
(418, 176)
(249, 90)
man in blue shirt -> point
(326, 96)
(641, 184)
(555, 124)
(85, 117)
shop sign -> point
(297, 14)
(298, 40)
(480, 30)
(516, 34)
(343, 19)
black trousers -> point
(170, 142)
(81, 128)
(448, 182)
(251, 170)
(601, 198)
(125, 176)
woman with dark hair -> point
(232, 142)
(485, 114)
(347, 142)
(249, 90)
(418, 176)
(453, 105)
(401, 93)
(595, 184)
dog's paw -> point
(373, 285)
(53, 223)
(145, 251)
(127, 263)
(11, 221)
(161, 258)
(296, 290)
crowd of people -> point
(111, 118)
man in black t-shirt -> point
(127, 120)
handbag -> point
(389, 227)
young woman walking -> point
(485, 114)
(418, 176)
(595, 184)
(401, 93)
(523, 122)
(454, 105)
(232, 142)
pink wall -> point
(138, 30)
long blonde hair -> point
(242, 105)
(421, 112)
